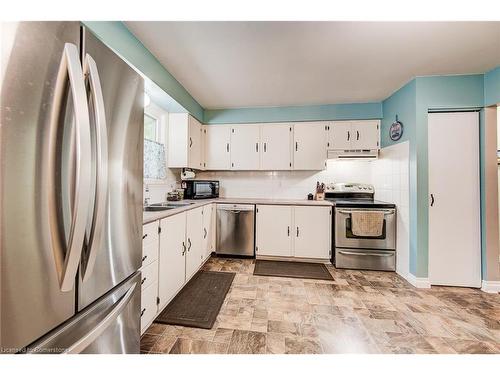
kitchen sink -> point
(165, 206)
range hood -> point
(353, 154)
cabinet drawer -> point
(150, 233)
(149, 274)
(149, 252)
(148, 305)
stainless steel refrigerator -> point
(71, 149)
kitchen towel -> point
(367, 223)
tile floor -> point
(358, 312)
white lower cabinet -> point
(172, 264)
(149, 274)
(273, 230)
(194, 241)
(149, 307)
(208, 231)
(312, 232)
(293, 231)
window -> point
(150, 128)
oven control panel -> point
(350, 187)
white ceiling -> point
(245, 64)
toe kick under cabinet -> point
(294, 231)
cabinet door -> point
(274, 230)
(245, 144)
(310, 140)
(207, 232)
(217, 150)
(195, 144)
(172, 271)
(340, 135)
(365, 135)
(312, 228)
(178, 140)
(276, 147)
(194, 240)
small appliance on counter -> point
(320, 191)
(364, 230)
(200, 189)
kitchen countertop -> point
(150, 216)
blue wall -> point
(294, 113)
(116, 35)
(412, 104)
(492, 87)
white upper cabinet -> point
(245, 147)
(276, 147)
(354, 135)
(184, 141)
(340, 135)
(309, 146)
(366, 135)
(217, 147)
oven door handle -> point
(366, 254)
(348, 212)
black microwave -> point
(200, 189)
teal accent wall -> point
(403, 103)
(439, 92)
(492, 87)
(116, 35)
(412, 103)
(356, 111)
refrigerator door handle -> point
(86, 340)
(67, 256)
(101, 132)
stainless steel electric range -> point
(361, 252)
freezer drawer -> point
(111, 325)
(235, 229)
(363, 259)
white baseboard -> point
(490, 286)
(418, 282)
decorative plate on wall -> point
(396, 130)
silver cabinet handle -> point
(366, 254)
(90, 337)
(357, 135)
(143, 311)
(227, 147)
(288, 231)
(348, 135)
(144, 258)
(205, 231)
(265, 146)
(101, 136)
(257, 147)
(183, 248)
(297, 231)
(143, 280)
(189, 244)
(190, 142)
(432, 200)
(67, 256)
(296, 146)
(348, 212)
(143, 237)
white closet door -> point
(217, 150)
(454, 199)
(276, 147)
(245, 147)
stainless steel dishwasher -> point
(235, 229)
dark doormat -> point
(199, 302)
(292, 269)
